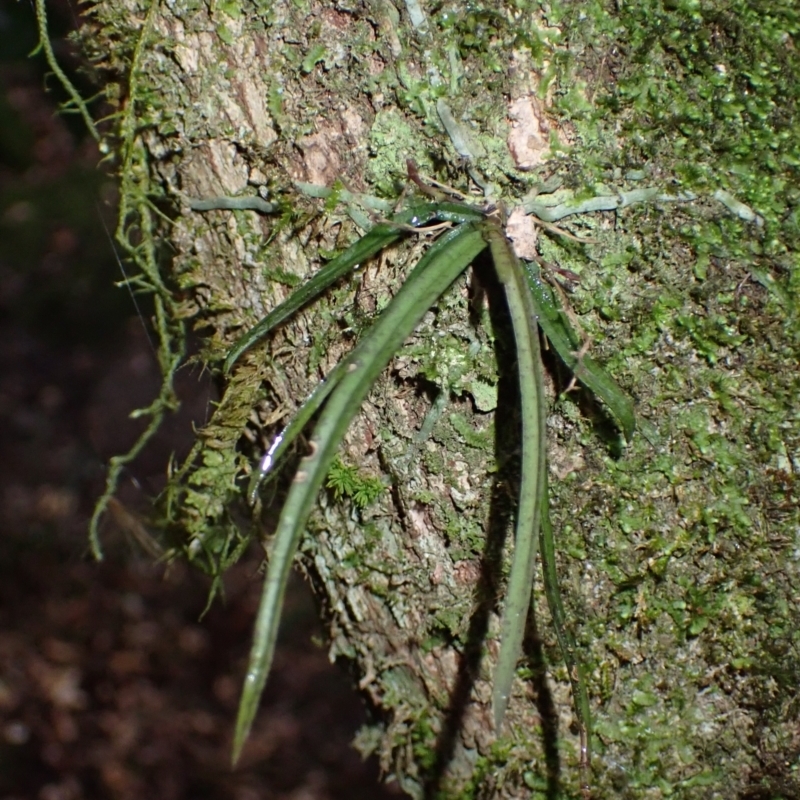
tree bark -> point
(235, 99)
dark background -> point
(109, 684)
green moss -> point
(423, 741)
(346, 481)
(136, 230)
(280, 275)
(393, 139)
(480, 440)
(705, 91)
(486, 767)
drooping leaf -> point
(513, 278)
(433, 274)
(381, 236)
(567, 343)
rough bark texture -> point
(671, 615)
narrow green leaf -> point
(285, 438)
(512, 276)
(566, 342)
(366, 247)
(382, 235)
(433, 274)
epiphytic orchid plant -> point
(532, 305)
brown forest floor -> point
(109, 684)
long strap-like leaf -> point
(529, 302)
(367, 246)
(566, 341)
(511, 274)
(437, 269)
(449, 212)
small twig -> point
(548, 226)
(579, 356)
(429, 186)
(564, 273)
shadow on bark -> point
(546, 708)
(503, 502)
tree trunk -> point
(258, 97)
